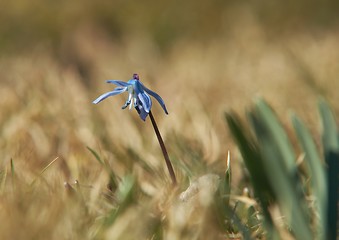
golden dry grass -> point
(46, 112)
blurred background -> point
(202, 57)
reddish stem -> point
(163, 149)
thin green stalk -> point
(163, 149)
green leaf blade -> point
(316, 171)
(279, 163)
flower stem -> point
(163, 149)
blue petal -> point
(145, 100)
(156, 96)
(119, 83)
(141, 110)
(138, 86)
(142, 96)
(116, 91)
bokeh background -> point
(202, 57)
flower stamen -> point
(128, 102)
(133, 103)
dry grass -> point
(46, 112)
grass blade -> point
(113, 182)
(125, 196)
(253, 162)
(330, 134)
(227, 179)
(48, 165)
(43, 170)
(12, 168)
(96, 155)
(3, 178)
(279, 164)
(331, 152)
(316, 171)
(223, 195)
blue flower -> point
(137, 96)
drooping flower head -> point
(137, 95)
